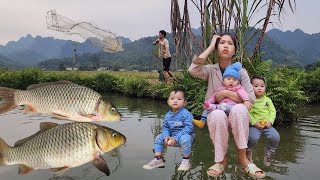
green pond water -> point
(297, 156)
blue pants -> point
(185, 142)
(271, 133)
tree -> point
(62, 67)
(272, 5)
(313, 66)
(224, 16)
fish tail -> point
(7, 101)
(3, 146)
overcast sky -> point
(129, 18)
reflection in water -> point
(62, 178)
(291, 153)
(89, 172)
(147, 108)
(297, 156)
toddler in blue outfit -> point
(177, 130)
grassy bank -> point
(140, 84)
(289, 89)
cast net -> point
(101, 38)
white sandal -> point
(219, 168)
(252, 169)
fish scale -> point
(70, 98)
(62, 99)
(60, 147)
(72, 145)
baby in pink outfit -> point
(231, 79)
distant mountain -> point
(136, 55)
(271, 49)
(197, 32)
(9, 63)
(125, 40)
(293, 48)
(139, 55)
(29, 50)
(306, 46)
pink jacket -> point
(238, 89)
(212, 73)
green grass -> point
(288, 88)
(140, 84)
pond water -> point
(297, 156)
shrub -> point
(310, 85)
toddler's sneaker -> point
(155, 163)
(185, 165)
(267, 158)
(199, 123)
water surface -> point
(296, 158)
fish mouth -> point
(124, 140)
(111, 117)
(119, 118)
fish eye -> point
(113, 109)
(114, 134)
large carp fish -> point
(62, 99)
(60, 147)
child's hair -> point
(179, 90)
(258, 77)
(163, 32)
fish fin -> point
(43, 127)
(3, 146)
(101, 164)
(47, 125)
(59, 170)
(80, 118)
(23, 169)
(29, 109)
(101, 139)
(91, 116)
(7, 101)
(34, 86)
(59, 116)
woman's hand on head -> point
(211, 48)
(214, 41)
